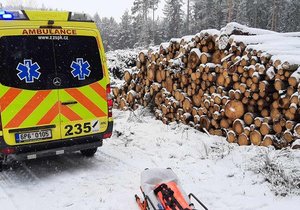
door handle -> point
(69, 103)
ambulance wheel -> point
(89, 152)
(1, 163)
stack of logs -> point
(234, 92)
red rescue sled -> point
(162, 191)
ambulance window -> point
(33, 62)
(78, 61)
(19, 52)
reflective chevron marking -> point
(8, 97)
(28, 108)
(86, 102)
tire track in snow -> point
(31, 172)
(117, 161)
(16, 175)
(18, 172)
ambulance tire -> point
(89, 152)
(1, 164)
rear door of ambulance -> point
(82, 93)
(52, 86)
(27, 94)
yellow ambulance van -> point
(54, 85)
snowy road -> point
(220, 174)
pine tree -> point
(43, 7)
(154, 6)
(293, 16)
(219, 12)
(14, 4)
(197, 16)
(32, 4)
(208, 14)
(174, 18)
(275, 14)
(109, 32)
(125, 37)
(160, 36)
(257, 13)
(241, 14)
(263, 14)
(97, 21)
(188, 17)
(141, 7)
(141, 29)
(230, 9)
(141, 23)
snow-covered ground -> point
(222, 175)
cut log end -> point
(234, 109)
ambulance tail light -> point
(107, 135)
(109, 101)
(0, 123)
(8, 151)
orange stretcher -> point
(162, 191)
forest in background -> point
(143, 27)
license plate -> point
(33, 135)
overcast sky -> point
(105, 8)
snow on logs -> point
(240, 82)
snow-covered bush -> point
(281, 169)
(119, 60)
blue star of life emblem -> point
(28, 71)
(80, 69)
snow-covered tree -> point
(97, 20)
(109, 31)
(160, 35)
(208, 14)
(219, 11)
(288, 17)
(241, 14)
(174, 17)
(32, 4)
(125, 37)
(154, 7)
(19, 4)
(141, 23)
(292, 22)
(14, 4)
(188, 16)
(141, 7)
(197, 16)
